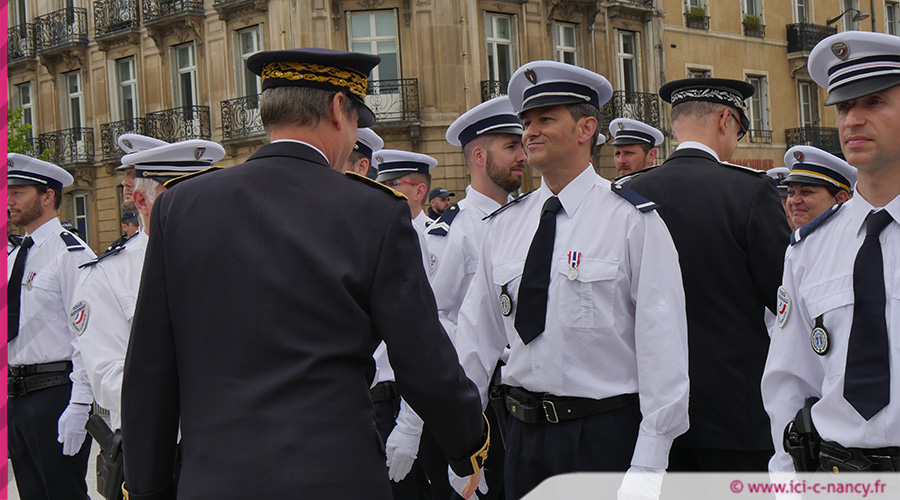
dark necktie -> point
(867, 377)
(14, 288)
(531, 313)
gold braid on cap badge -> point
(353, 81)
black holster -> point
(497, 399)
(802, 441)
(110, 474)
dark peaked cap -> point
(323, 69)
(719, 90)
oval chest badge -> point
(818, 339)
(505, 302)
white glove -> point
(641, 483)
(401, 449)
(459, 484)
(71, 427)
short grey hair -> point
(148, 187)
(300, 106)
(696, 109)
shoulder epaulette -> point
(741, 167)
(370, 182)
(639, 202)
(441, 226)
(622, 179)
(798, 235)
(504, 207)
(71, 241)
(115, 248)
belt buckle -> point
(550, 411)
(885, 462)
(16, 387)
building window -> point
(186, 94)
(892, 17)
(801, 11)
(758, 110)
(375, 32)
(74, 98)
(628, 62)
(80, 214)
(246, 43)
(126, 88)
(25, 102)
(566, 48)
(809, 104)
(847, 20)
(698, 73)
(500, 34)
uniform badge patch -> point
(78, 317)
(433, 261)
(818, 339)
(531, 76)
(841, 50)
(784, 306)
(505, 302)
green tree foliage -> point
(18, 139)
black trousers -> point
(42, 471)
(411, 487)
(599, 443)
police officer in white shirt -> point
(817, 180)
(590, 308)
(132, 143)
(491, 137)
(408, 173)
(49, 393)
(360, 161)
(105, 294)
(837, 339)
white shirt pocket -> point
(588, 301)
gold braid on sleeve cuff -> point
(472, 464)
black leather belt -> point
(532, 408)
(30, 378)
(835, 458)
(385, 391)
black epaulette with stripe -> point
(370, 182)
(441, 227)
(504, 207)
(112, 250)
(798, 235)
(743, 168)
(639, 202)
(71, 241)
(622, 179)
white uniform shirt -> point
(454, 257)
(818, 278)
(47, 285)
(619, 328)
(421, 223)
(109, 291)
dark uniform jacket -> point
(265, 290)
(731, 234)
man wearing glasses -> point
(729, 228)
(408, 173)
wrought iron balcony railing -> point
(20, 43)
(240, 118)
(696, 21)
(73, 146)
(824, 138)
(492, 88)
(178, 124)
(641, 106)
(394, 100)
(109, 136)
(61, 28)
(114, 16)
(802, 37)
(756, 30)
(760, 135)
(643, 3)
(155, 10)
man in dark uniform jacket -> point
(729, 228)
(258, 341)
